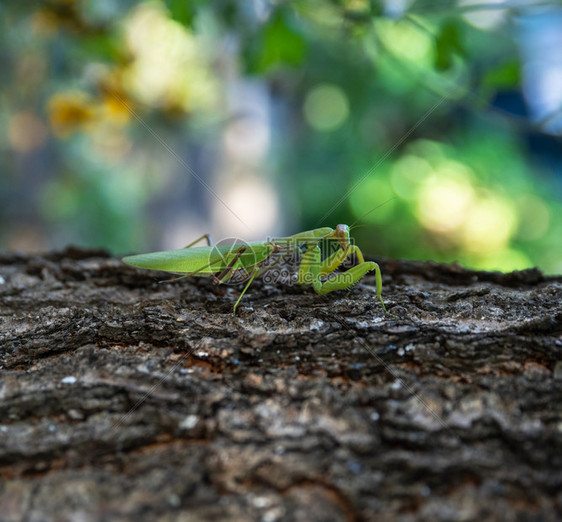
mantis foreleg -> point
(312, 269)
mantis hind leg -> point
(204, 236)
(252, 277)
(227, 272)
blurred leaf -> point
(507, 75)
(102, 46)
(279, 44)
(183, 11)
(448, 45)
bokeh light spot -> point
(26, 131)
(489, 225)
(505, 259)
(326, 107)
(405, 40)
(255, 203)
(374, 194)
(445, 197)
(407, 174)
(110, 142)
(534, 217)
(247, 139)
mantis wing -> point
(203, 261)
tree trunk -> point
(124, 398)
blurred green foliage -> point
(117, 122)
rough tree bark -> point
(122, 398)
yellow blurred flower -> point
(170, 67)
(116, 106)
(70, 112)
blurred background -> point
(433, 126)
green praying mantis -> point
(250, 260)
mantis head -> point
(341, 234)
